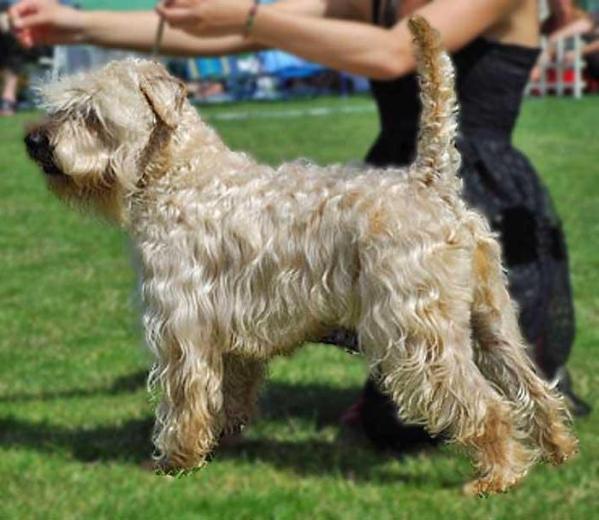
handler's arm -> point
(137, 31)
(46, 22)
(371, 51)
(580, 26)
(352, 46)
(590, 48)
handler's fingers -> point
(24, 38)
(29, 13)
(29, 40)
(24, 8)
(31, 20)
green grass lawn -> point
(75, 417)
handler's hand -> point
(206, 17)
(45, 22)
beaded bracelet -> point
(249, 23)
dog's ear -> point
(166, 96)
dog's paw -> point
(486, 486)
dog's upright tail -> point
(437, 159)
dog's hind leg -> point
(427, 368)
(501, 356)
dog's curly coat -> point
(242, 262)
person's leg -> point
(381, 424)
(11, 81)
(555, 347)
(13, 59)
(592, 63)
(536, 256)
(8, 101)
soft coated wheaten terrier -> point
(242, 262)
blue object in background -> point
(286, 66)
(206, 68)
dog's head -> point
(107, 132)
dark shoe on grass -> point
(577, 406)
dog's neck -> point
(170, 148)
(172, 161)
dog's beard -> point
(99, 194)
(49, 167)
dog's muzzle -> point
(40, 150)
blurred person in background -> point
(574, 21)
(494, 44)
(560, 13)
(14, 61)
(11, 61)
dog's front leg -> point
(190, 417)
(243, 377)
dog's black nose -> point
(37, 141)
(41, 150)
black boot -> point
(576, 405)
(383, 427)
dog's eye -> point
(93, 121)
(98, 127)
(58, 115)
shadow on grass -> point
(129, 442)
(121, 385)
(280, 400)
